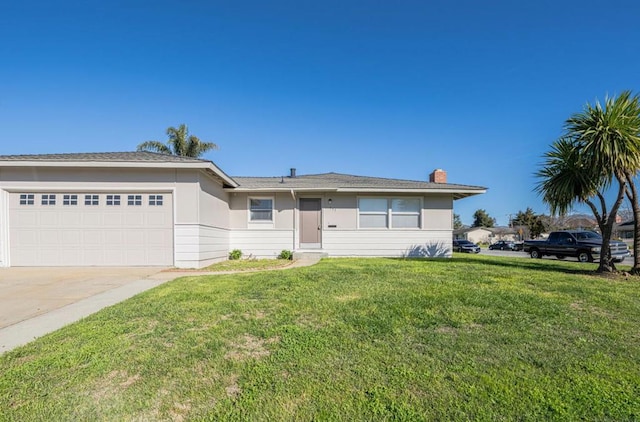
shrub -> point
(235, 254)
(285, 254)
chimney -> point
(293, 172)
(438, 176)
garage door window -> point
(113, 199)
(48, 199)
(155, 200)
(91, 200)
(134, 200)
(27, 199)
(70, 200)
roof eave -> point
(280, 189)
(457, 193)
(208, 166)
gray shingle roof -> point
(337, 181)
(327, 181)
(129, 156)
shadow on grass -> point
(519, 263)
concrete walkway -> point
(15, 332)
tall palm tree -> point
(179, 143)
(601, 146)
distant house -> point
(624, 231)
(143, 208)
(485, 234)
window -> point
(155, 200)
(373, 212)
(48, 199)
(70, 200)
(27, 198)
(396, 213)
(91, 200)
(113, 199)
(260, 209)
(134, 200)
(405, 213)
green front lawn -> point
(470, 338)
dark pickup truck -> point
(582, 244)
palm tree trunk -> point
(632, 194)
(605, 222)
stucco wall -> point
(341, 235)
(282, 213)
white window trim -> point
(69, 198)
(91, 199)
(135, 198)
(390, 213)
(27, 197)
(114, 201)
(262, 222)
(157, 201)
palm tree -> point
(601, 145)
(179, 143)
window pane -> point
(261, 215)
(373, 221)
(373, 205)
(405, 221)
(261, 209)
(405, 205)
(261, 204)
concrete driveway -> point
(35, 301)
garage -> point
(72, 228)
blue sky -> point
(377, 88)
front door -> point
(310, 222)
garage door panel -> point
(156, 219)
(70, 219)
(65, 235)
(71, 237)
(113, 219)
(48, 218)
(134, 220)
(91, 219)
(50, 238)
(26, 219)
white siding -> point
(261, 243)
(419, 243)
(198, 245)
(4, 232)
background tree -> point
(179, 143)
(533, 222)
(457, 223)
(600, 149)
(482, 219)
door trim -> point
(310, 245)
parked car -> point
(582, 244)
(460, 245)
(503, 245)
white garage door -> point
(86, 228)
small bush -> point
(235, 254)
(285, 254)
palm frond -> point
(154, 146)
(179, 143)
(566, 178)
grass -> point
(471, 338)
(247, 265)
